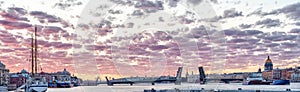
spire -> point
(187, 72)
(268, 59)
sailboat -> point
(36, 83)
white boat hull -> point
(3, 89)
(38, 89)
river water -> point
(184, 86)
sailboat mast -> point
(35, 52)
(32, 57)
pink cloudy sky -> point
(152, 37)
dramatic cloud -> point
(269, 23)
(244, 26)
(43, 17)
(261, 13)
(292, 11)
(15, 13)
(149, 34)
(231, 13)
(65, 4)
(14, 25)
(195, 2)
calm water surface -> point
(141, 87)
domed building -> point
(268, 64)
(23, 71)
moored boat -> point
(35, 83)
(281, 82)
(256, 79)
(38, 85)
(64, 84)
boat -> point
(64, 84)
(256, 79)
(35, 82)
(38, 85)
(281, 82)
(3, 89)
(75, 81)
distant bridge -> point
(152, 80)
(204, 79)
(225, 80)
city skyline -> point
(153, 37)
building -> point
(276, 74)
(268, 69)
(4, 78)
(61, 76)
(268, 64)
(286, 73)
(295, 76)
(18, 79)
(193, 78)
(268, 75)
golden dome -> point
(268, 60)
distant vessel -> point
(256, 79)
(38, 85)
(3, 88)
(281, 82)
(64, 84)
(63, 80)
(35, 83)
(75, 81)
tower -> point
(259, 70)
(268, 64)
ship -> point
(35, 83)
(281, 82)
(256, 79)
(63, 80)
(75, 81)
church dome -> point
(23, 71)
(268, 64)
(65, 71)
